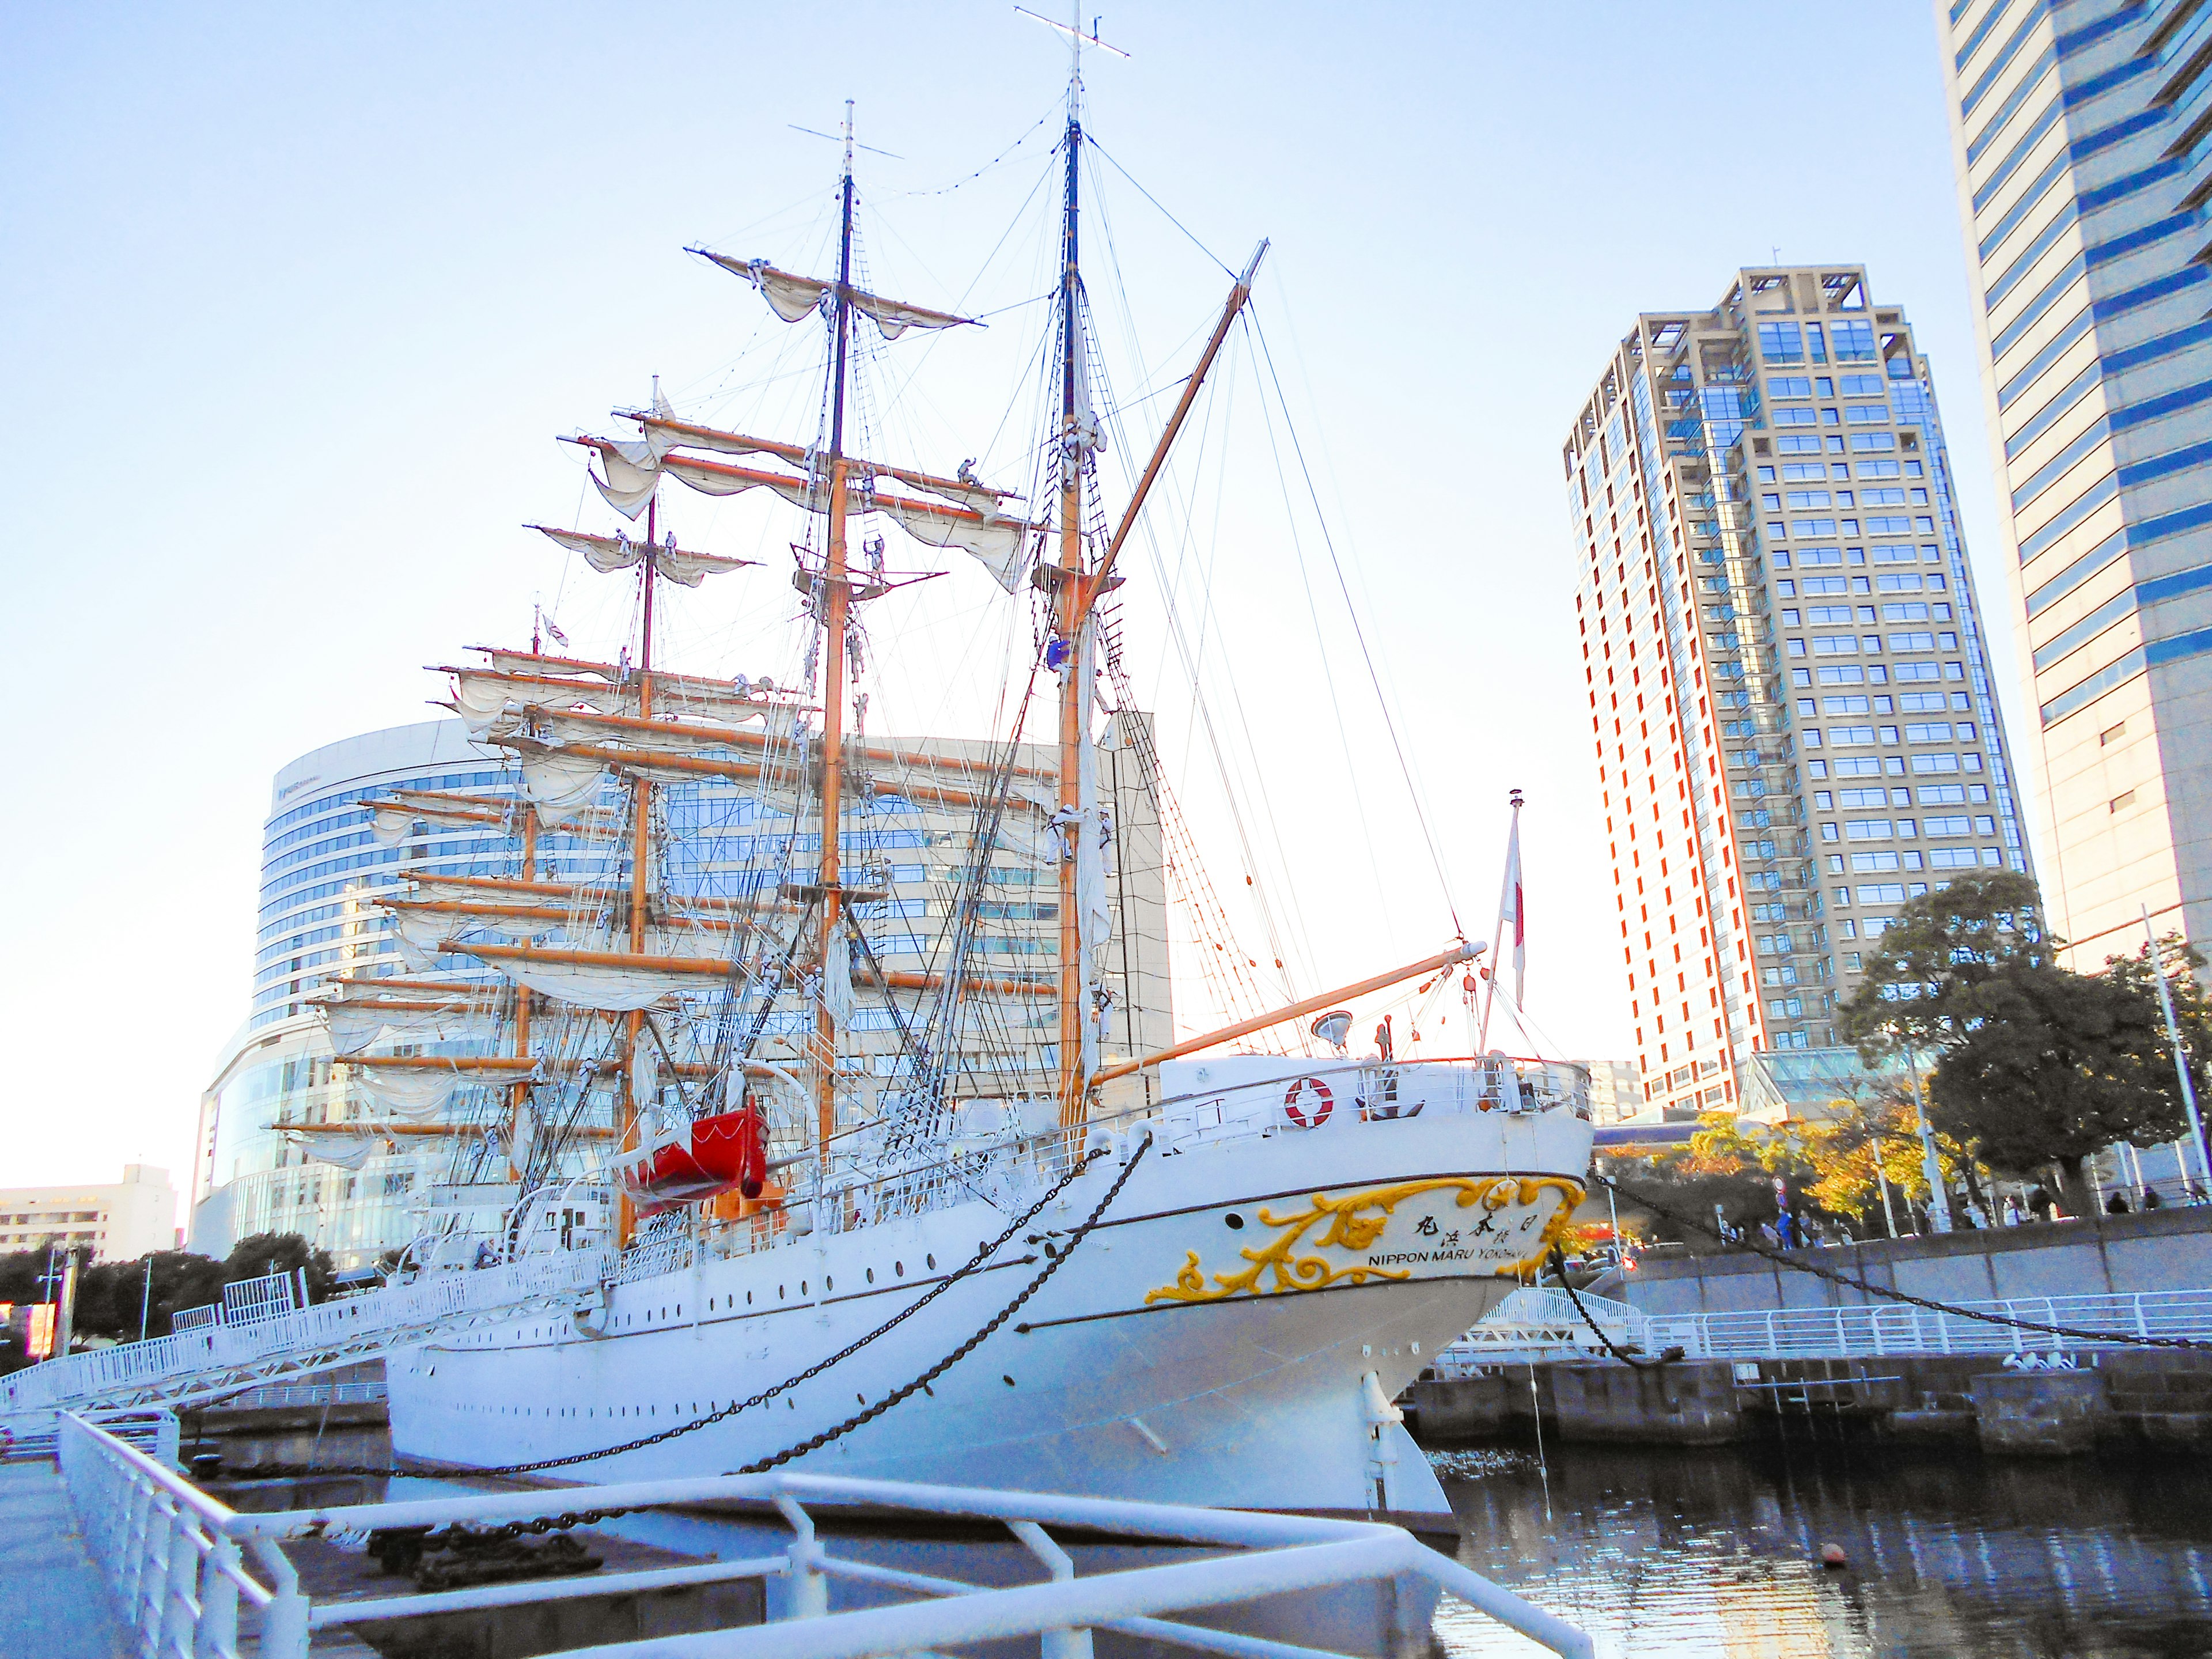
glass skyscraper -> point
(2082, 138)
(1789, 693)
(321, 869)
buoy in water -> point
(1832, 1555)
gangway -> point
(1533, 1326)
(224, 1356)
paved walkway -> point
(54, 1604)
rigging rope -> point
(1360, 632)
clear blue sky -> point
(292, 300)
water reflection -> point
(1666, 1555)
(1717, 1553)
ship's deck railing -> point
(177, 1562)
(1328, 1097)
(1885, 1328)
(222, 1359)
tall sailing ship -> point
(808, 1027)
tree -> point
(281, 1253)
(1941, 945)
(111, 1296)
(2052, 1067)
(1858, 1144)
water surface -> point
(1683, 1555)
(1675, 1554)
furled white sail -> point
(1000, 545)
(610, 989)
(559, 787)
(792, 297)
(664, 435)
(711, 478)
(392, 821)
(484, 697)
(628, 474)
(650, 736)
(347, 1151)
(417, 1094)
(611, 553)
(1093, 832)
(837, 979)
(895, 317)
(353, 1026)
(528, 662)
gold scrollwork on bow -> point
(1354, 1222)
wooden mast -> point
(1068, 623)
(836, 598)
(520, 1092)
(639, 856)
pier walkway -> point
(53, 1602)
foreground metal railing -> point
(176, 1560)
(1885, 1328)
(222, 1359)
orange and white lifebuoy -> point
(1324, 1103)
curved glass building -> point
(320, 869)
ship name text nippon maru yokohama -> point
(878, 1200)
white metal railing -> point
(176, 1561)
(270, 1396)
(1533, 1324)
(221, 1358)
(175, 1576)
(1878, 1330)
(154, 1433)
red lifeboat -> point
(695, 1161)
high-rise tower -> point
(2082, 138)
(1790, 696)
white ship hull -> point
(1211, 1342)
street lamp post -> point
(2181, 1057)
(1931, 1166)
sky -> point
(294, 300)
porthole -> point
(899, 1267)
(872, 1275)
(778, 1292)
(1234, 1221)
(749, 1299)
(932, 1263)
(827, 1283)
(1008, 1381)
(802, 1287)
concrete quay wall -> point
(2102, 1255)
(2142, 1397)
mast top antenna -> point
(846, 138)
(1075, 32)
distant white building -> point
(1616, 1090)
(118, 1223)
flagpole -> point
(1508, 908)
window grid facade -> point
(1789, 693)
(2082, 141)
